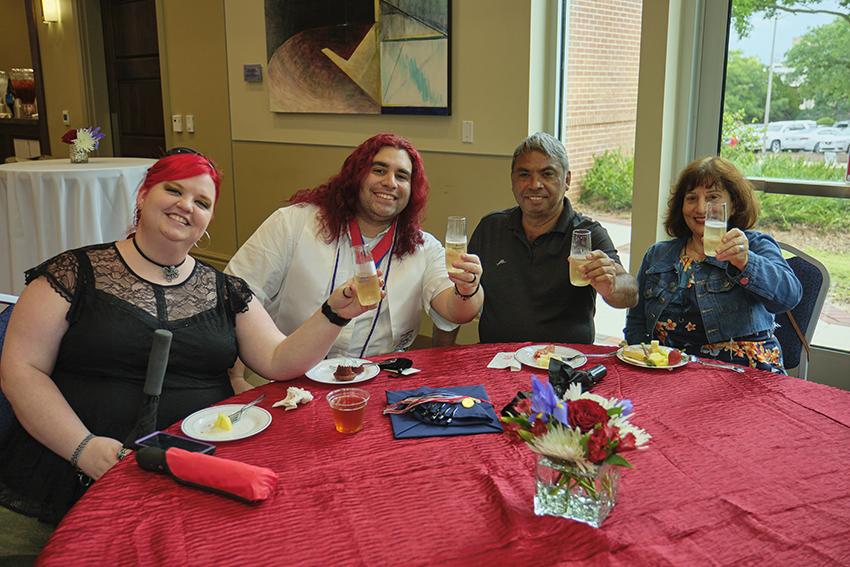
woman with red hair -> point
(377, 199)
(76, 351)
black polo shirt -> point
(527, 291)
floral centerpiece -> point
(580, 441)
(83, 141)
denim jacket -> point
(732, 303)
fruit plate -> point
(664, 349)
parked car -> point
(843, 124)
(789, 135)
(829, 140)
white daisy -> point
(85, 141)
(562, 443)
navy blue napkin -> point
(408, 427)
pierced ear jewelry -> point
(209, 241)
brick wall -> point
(602, 80)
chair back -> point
(7, 416)
(814, 278)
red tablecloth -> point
(742, 469)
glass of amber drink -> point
(455, 242)
(715, 227)
(579, 249)
(366, 277)
(348, 405)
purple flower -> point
(626, 406)
(544, 402)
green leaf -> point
(617, 460)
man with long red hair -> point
(301, 252)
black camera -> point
(561, 375)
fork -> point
(237, 415)
(579, 355)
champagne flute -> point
(366, 277)
(455, 242)
(715, 227)
(578, 250)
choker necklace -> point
(168, 272)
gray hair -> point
(546, 144)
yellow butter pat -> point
(223, 422)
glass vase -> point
(78, 155)
(566, 491)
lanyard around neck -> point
(381, 248)
(387, 253)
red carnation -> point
(627, 443)
(70, 136)
(539, 428)
(586, 414)
(599, 442)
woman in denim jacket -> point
(719, 306)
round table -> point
(49, 206)
(741, 469)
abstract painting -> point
(359, 56)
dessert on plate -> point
(346, 373)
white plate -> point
(665, 349)
(526, 356)
(324, 371)
(201, 424)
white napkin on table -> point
(505, 360)
(294, 396)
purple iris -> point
(626, 406)
(544, 402)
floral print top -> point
(680, 326)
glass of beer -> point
(578, 250)
(348, 406)
(366, 277)
(455, 242)
(715, 227)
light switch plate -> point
(467, 136)
(190, 122)
(176, 122)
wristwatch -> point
(333, 317)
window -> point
(785, 98)
(600, 52)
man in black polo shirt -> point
(524, 252)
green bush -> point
(825, 121)
(608, 183)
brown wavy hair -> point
(710, 172)
(337, 198)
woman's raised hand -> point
(344, 300)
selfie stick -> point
(157, 363)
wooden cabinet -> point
(11, 128)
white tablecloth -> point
(50, 206)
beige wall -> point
(193, 66)
(14, 39)
(61, 67)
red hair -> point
(338, 198)
(180, 166)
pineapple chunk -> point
(657, 359)
(654, 347)
(223, 422)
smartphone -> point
(162, 440)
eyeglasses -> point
(184, 150)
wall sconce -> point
(50, 11)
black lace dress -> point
(102, 359)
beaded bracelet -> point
(79, 450)
(466, 297)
